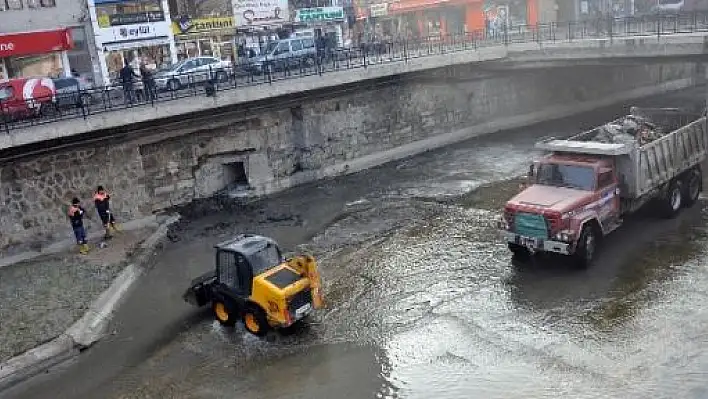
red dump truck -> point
(584, 186)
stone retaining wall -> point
(297, 143)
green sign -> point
(319, 14)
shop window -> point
(33, 3)
(41, 65)
(48, 3)
(13, 4)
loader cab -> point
(240, 260)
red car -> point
(26, 97)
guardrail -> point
(84, 103)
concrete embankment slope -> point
(292, 142)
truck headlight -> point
(563, 236)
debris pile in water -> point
(627, 130)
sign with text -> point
(378, 10)
(319, 14)
(133, 32)
(105, 20)
(186, 25)
(260, 12)
(35, 42)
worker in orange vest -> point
(76, 217)
(101, 199)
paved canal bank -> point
(423, 298)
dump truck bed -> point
(677, 143)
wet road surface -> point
(423, 299)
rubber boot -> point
(115, 227)
(108, 235)
(83, 249)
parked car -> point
(72, 92)
(190, 71)
(27, 97)
(290, 53)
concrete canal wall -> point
(289, 143)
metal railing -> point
(84, 103)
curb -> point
(88, 329)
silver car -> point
(191, 71)
(284, 53)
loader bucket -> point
(307, 265)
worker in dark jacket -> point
(76, 217)
(101, 199)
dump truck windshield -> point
(264, 259)
(570, 176)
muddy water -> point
(424, 301)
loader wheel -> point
(255, 321)
(587, 245)
(222, 314)
(693, 187)
(671, 204)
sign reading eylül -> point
(133, 32)
(319, 14)
(260, 12)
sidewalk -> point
(41, 298)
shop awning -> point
(39, 42)
(414, 5)
(403, 6)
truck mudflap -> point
(199, 292)
(538, 245)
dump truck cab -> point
(570, 201)
(255, 283)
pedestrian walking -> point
(101, 199)
(76, 217)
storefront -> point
(135, 32)
(209, 36)
(43, 53)
(328, 21)
(258, 21)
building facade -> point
(203, 28)
(45, 38)
(131, 31)
(437, 18)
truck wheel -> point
(693, 187)
(255, 321)
(671, 204)
(585, 251)
(519, 252)
(222, 314)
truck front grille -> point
(531, 225)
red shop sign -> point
(35, 42)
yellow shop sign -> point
(186, 25)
